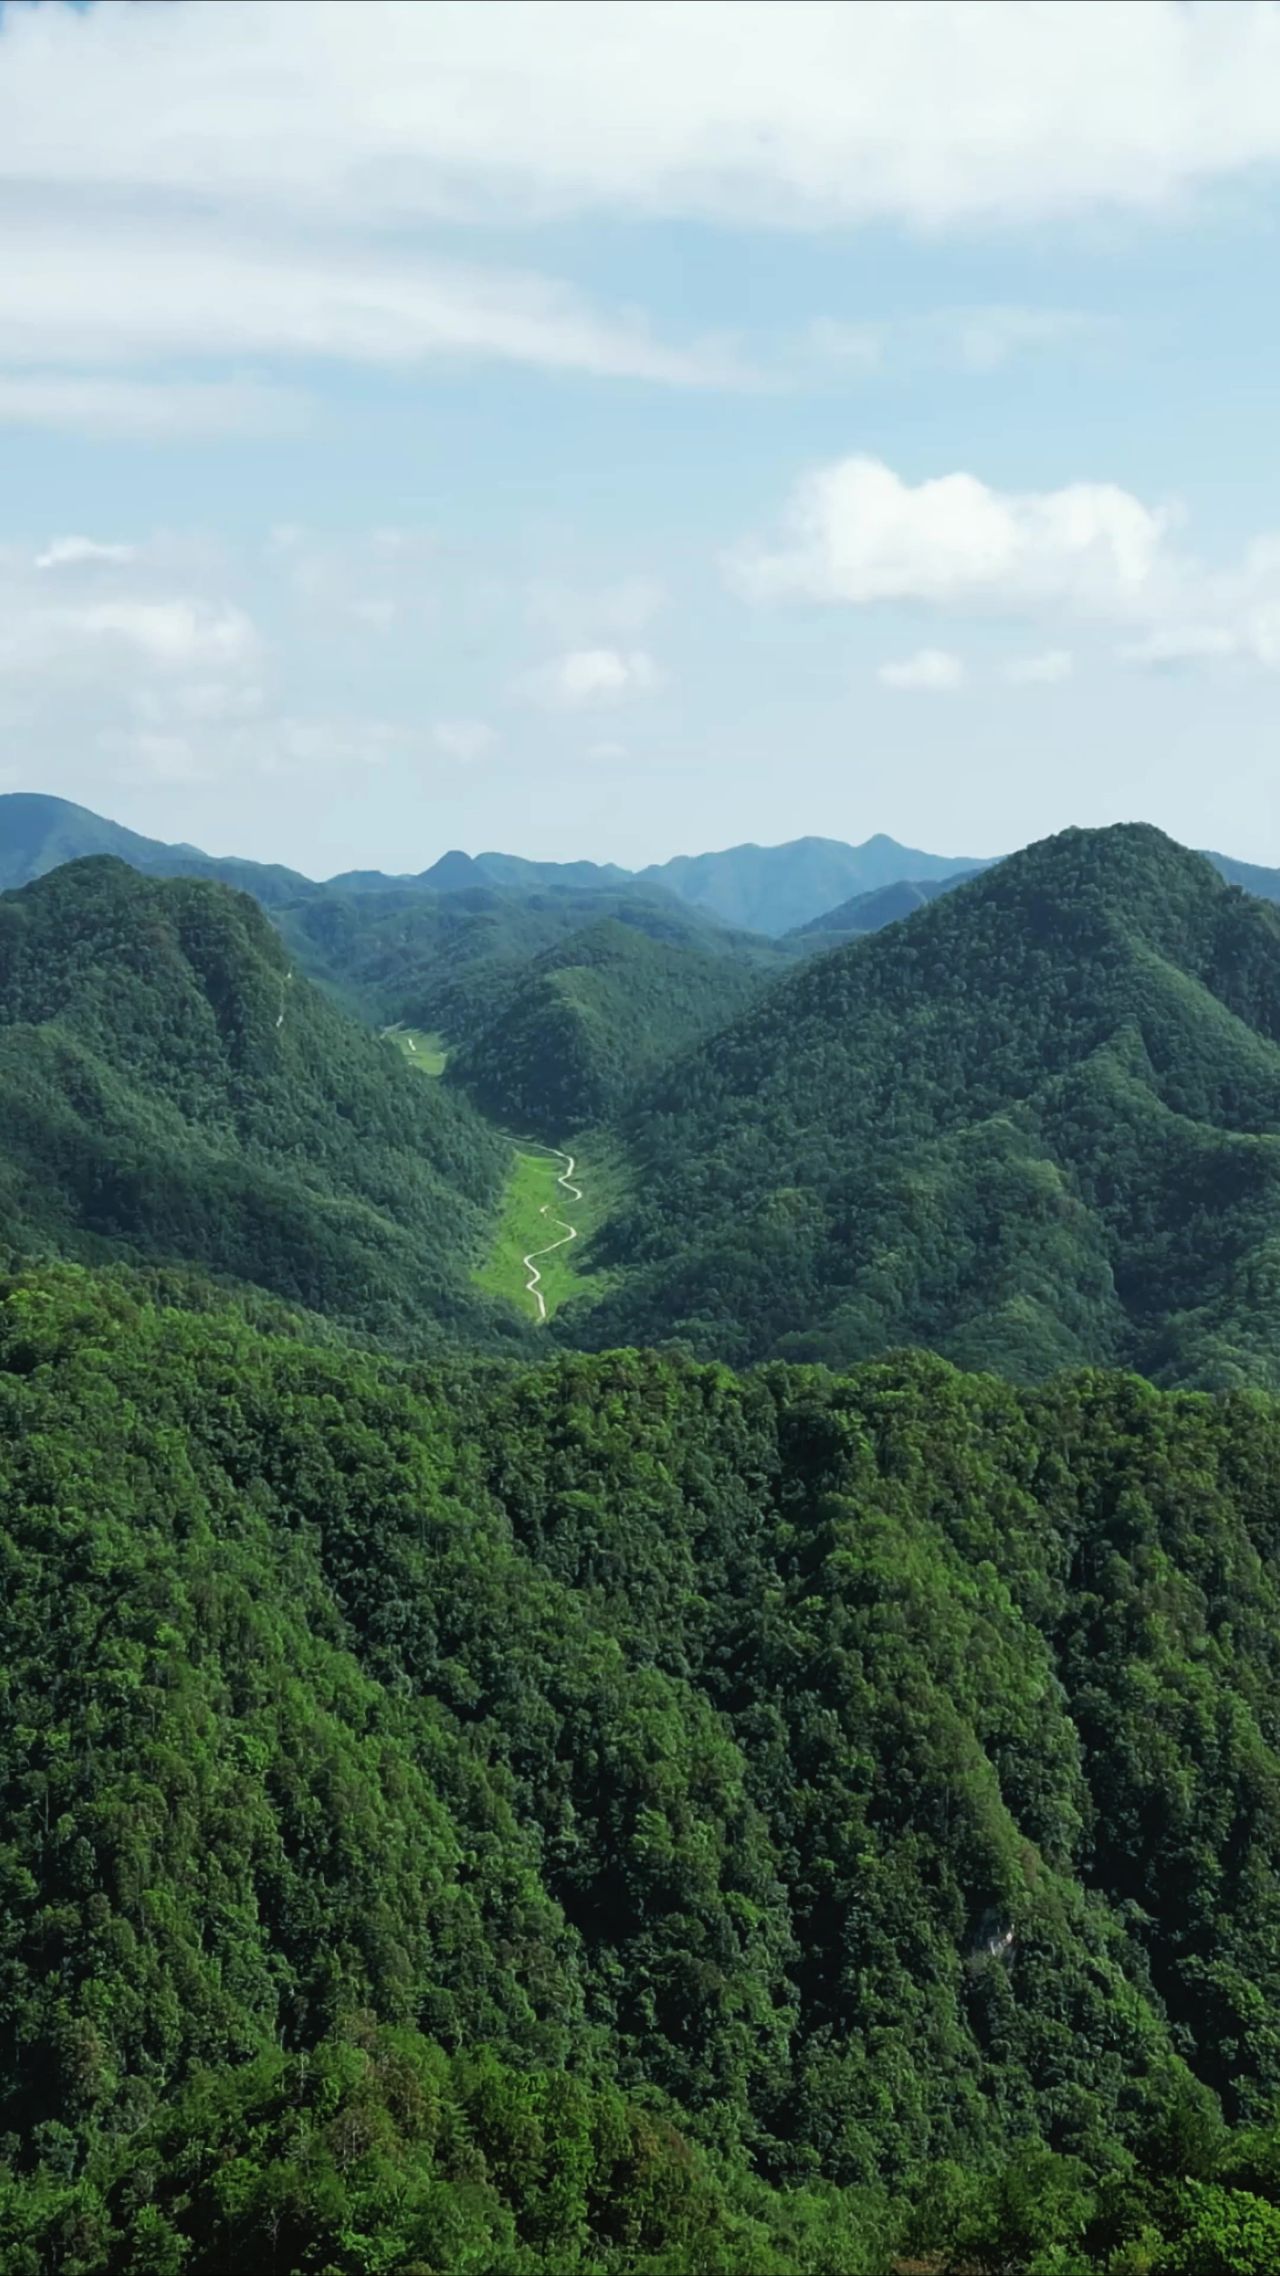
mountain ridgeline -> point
(173, 1093)
(1037, 1124)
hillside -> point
(1036, 1124)
(572, 1035)
(618, 1816)
(447, 961)
(870, 912)
(170, 1091)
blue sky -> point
(620, 430)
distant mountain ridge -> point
(760, 889)
(774, 889)
(808, 884)
(871, 912)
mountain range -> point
(477, 1801)
(763, 889)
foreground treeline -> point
(621, 1816)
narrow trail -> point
(564, 1178)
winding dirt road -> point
(564, 1178)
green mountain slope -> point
(575, 1032)
(447, 961)
(1037, 1123)
(170, 1091)
(423, 1793)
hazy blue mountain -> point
(773, 889)
(38, 834)
(1265, 883)
(870, 912)
(513, 869)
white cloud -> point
(464, 739)
(96, 293)
(935, 670)
(607, 753)
(1256, 639)
(588, 676)
(161, 410)
(75, 552)
(855, 531)
(1046, 670)
(943, 112)
(171, 634)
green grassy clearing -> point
(428, 1051)
(522, 1227)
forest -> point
(778, 1770)
(1031, 1127)
(615, 1814)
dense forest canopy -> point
(567, 1040)
(171, 1089)
(1036, 1124)
(768, 1795)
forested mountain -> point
(617, 1816)
(870, 912)
(1037, 1123)
(448, 961)
(170, 1090)
(569, 1037)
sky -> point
(615, 430)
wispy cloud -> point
(977, 340)
(584, 678)
(145, 410)
(464, 739)
(77, 552)
(1046, 670)
(933, 671)
(93, 294)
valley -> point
(532, 1228)
(768, 1509)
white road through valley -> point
(570, 1233)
